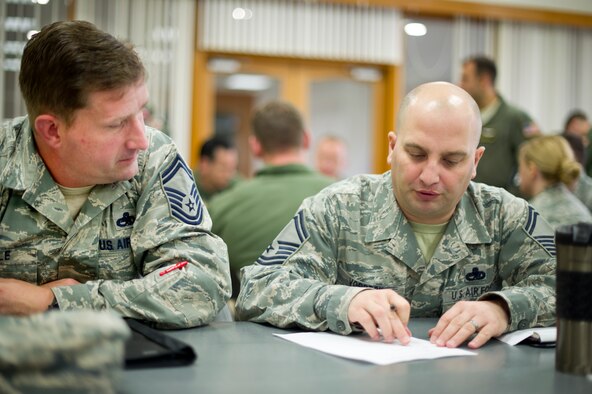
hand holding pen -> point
(381, 312)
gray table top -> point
(243, 358)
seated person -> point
(583, 186)
(331, 156)
(421, 240)
(96, 208)
(217, 169)
(250, 215)
(547, 168)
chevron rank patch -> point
(286, 243)
(181, 192)
(540, 231)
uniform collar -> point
(284, 169)
(388, 221)
(391, 232)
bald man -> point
(422, 241)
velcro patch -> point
(181, 192)
(540, 231)
(286, 243)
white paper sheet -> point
(364, 349)
(542, 334)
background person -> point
(331, 156)
(217, 169)
(547, 170)
(418, 241)
(251, 214)
(505, 127)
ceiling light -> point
(415, 29)
(248, 82)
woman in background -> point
(548, 170)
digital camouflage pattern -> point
(583, 189)
(353, 236)
(62, 352)
(559, 206)
(125, 234)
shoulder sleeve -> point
(172, 225)
(293, 281)
(527, 266)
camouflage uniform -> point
(583, 190)
(559, 206)
(124, 235)
(62, 352)
(353, 236)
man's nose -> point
(430, 174)
(138, 138)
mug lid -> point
(574, 234)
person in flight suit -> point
(420, 240)
(505, 126)
(96, 209)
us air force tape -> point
(181, 192)
(286, 243)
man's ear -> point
(255, 145)
(306, 138)
(392, 140)
(49, 128)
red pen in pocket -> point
(179, 265)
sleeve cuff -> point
(338, 306)
(522, 312)
(76, 297)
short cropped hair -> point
(208, 149)
(67, 60)
(574, 115)
(484, 66)
(278, 126)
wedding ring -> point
(475, 325)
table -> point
(242, 357)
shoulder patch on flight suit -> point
(181, 192)
(286, 243)
(541, 233)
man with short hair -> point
(98, 211)
(577, 124)
(251, 214)
(421, 240)
(331, 156)
(217, 169)
(505, 127)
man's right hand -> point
(384, 310)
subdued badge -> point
(488, 135)
(475, 273)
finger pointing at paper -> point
(384, 310)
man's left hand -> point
(18, 297)
(486, 319)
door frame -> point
(295, 77)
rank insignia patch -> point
(539, 232)
(286, 243)
(181, 193)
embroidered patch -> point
(475, 273)
(286, 243)
(540, 232)
(181, 192)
